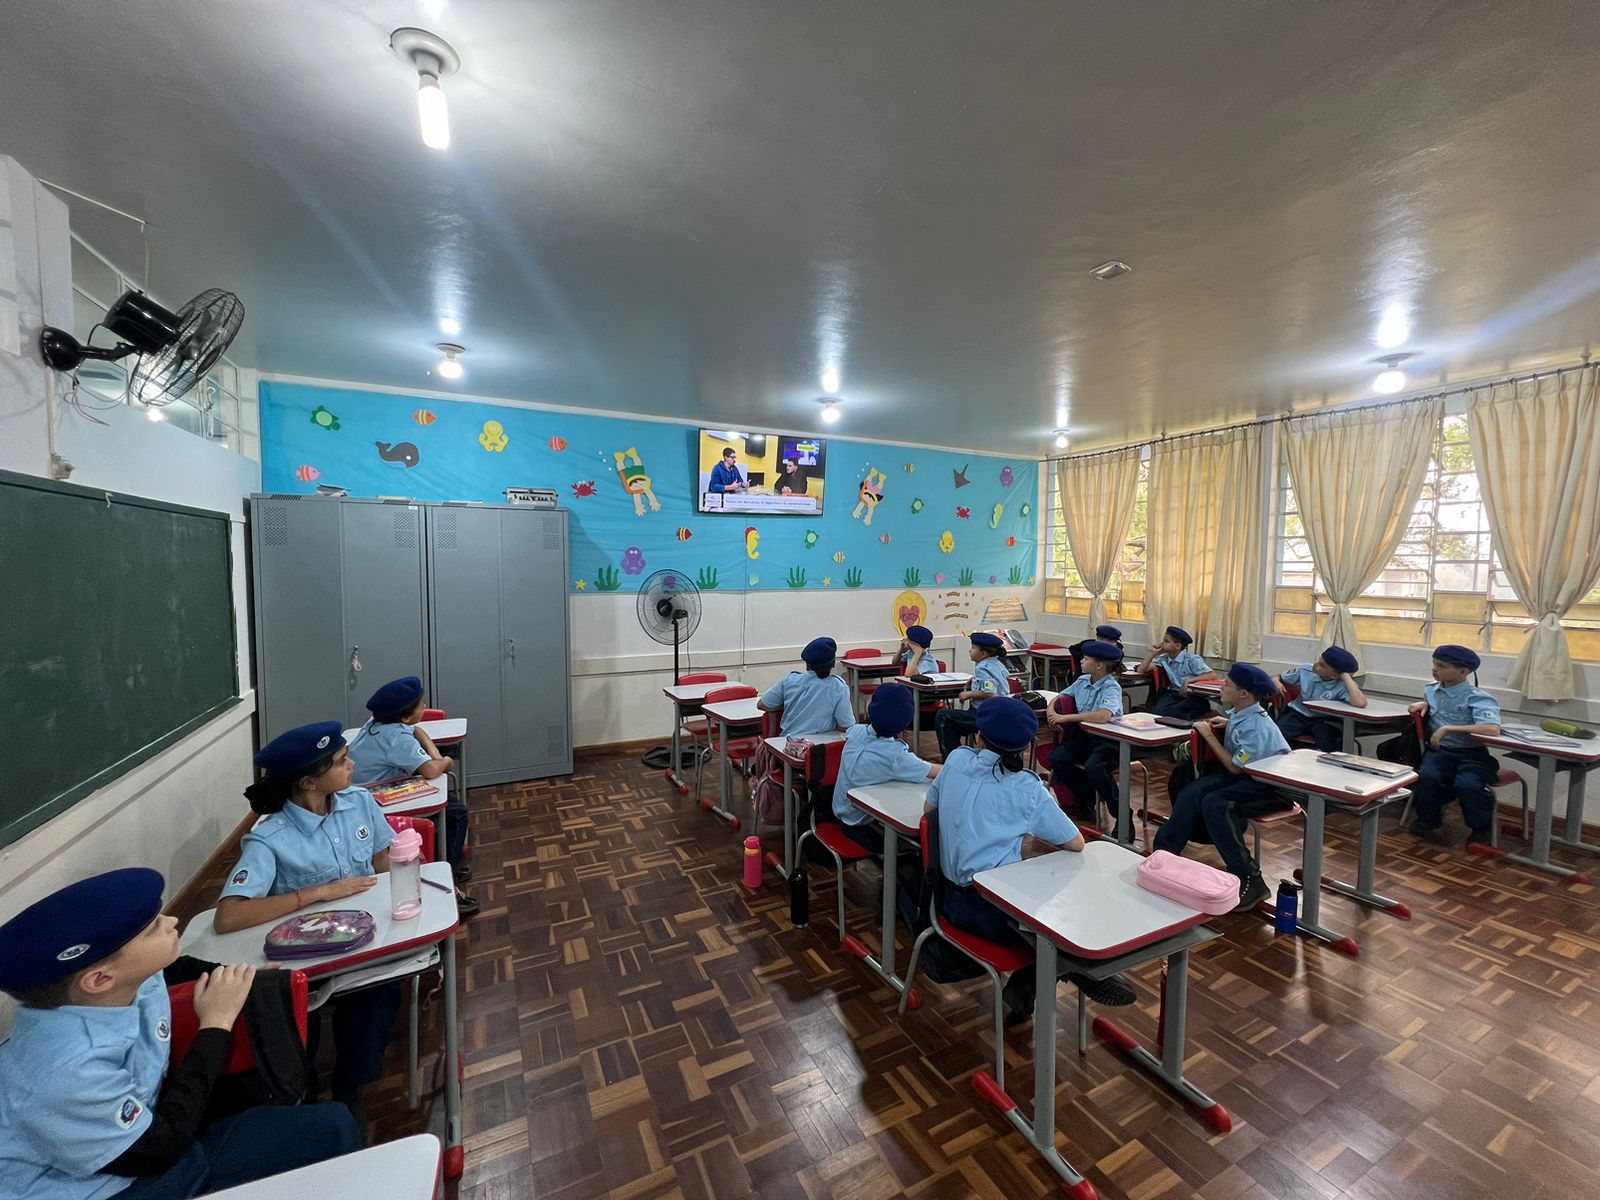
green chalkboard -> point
(116, 638)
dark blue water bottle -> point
(1287, 917)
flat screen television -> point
(760, 474)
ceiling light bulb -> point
(432, 112)
(830, 412)
(449, 326)
(1061, 441)
(1389, 382)
(450, 366)
(1393, 328)
(155, 414)
(830, 380)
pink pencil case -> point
(1189, 882)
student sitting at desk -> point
(318, 839)
(874, 753)
(1081, 763)
(90, 1103)
(390, 745)
(916, 657)
(1331, 677)
(1218, 804)
(1454, 766)
(1183, 666)
(987, 801)
(989, 678)
(1102, 633)
(814, 700)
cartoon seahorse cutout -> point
(752, 539)
(994, 517)
(871, 493)
(630, 469)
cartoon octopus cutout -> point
(871, 493)
(633, 561)
(630, 469)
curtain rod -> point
(1264, 421)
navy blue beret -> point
(288, 754)
(1108, 633)
(1105, 651)
(988, 641)
(1461, 656)
(1252, 679)
(891, 708)
(1340, 660)
(82, 924)
(920, 634)
(1180, 635)
(395, 698)
(819, 651)
(1007, 723)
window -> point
(1443, 582)
(1063, 585)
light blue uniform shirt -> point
(1251, 735)
(1462, 704)
(295, 848)
(1091, 696)
(1182, 666)
(927, 664)
(1314, 687)
(386, 750)
(77, 1087)
(811, 704)
(984, 811)
(990, 676)
(869, 759)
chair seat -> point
(1001, 958)
(1507, 778)
(1282, 817)
(836, 839)
(696, 726)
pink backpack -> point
(1189, 882)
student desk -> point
(737, 718)
(1577, 757)
(898, 808)
(1090, 907)
(687, 699)
(1128, 731)
(396, 940)
(1317, 785)
(421, 806)
(857, 669)
(1211, 689)
(450, 735)
(1377, 713)
(945, 685)
(780, 747)
(1046, 660)
(403, 1170)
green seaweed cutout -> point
(797, 577)
(965, 578)
(852, 577)
(1016, 576)
(608, 580)
(706, 580)
(913, 577)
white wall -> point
(173, 811)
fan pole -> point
(677, 675)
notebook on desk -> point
(1367, 766)
(392, 791)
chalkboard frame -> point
(18, 827)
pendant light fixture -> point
(450, 365)
(432, 58)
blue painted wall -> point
(444, 450)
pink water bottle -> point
(752, 862)
(405, 875)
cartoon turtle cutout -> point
(323, 419)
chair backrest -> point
(424, 828)
(943, 666)
(863, 652)
(932, 871)
(434, 714)
(1160, 681)
(734, 691)
(1018, 685)
(703, 677)
(823, 768)
(1200, 751)
(1045, 646)
(186, 1024)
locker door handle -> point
(511, 649)
(355, 659)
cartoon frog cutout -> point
(630, 469)
(871, 494)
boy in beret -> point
(989, 678)
(1216, 806)
(874, 753)
(90, 1103)
(814, 700)
(1454, 765)
(1080, 763)
(1331, 677)
(916, 656)
(1183, 667)
(1109, 634)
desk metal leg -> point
(725, 767)
(1349, 724)
(455, 1154)
(883, 965)
(677, 752)
(1041, 1131)
(787, 864)
(1311, 877)
(1173, 1024)
(1543, 819)
(1366, 866)
(1124, 794)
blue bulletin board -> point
(943, 519)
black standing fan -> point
(669, 611)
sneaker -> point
(1429, 833)
(1113, 992)
(463, 874)
(466, 906)
(1251, 893)
(1474, 838)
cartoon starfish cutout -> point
(961, 477)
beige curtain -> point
(1537, 448)
(1357, 477)
(1097, 496)
(1206, 534)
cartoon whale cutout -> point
(400, 455)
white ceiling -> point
(690, 207)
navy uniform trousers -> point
(1085, 766)
(1465, 775)
(1215, 808)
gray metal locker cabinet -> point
(385, 620)
(533, 618)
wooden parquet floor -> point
(637, 1025)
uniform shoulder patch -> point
(128, 1112)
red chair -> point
(1504, 777)
(827, 830)
(425, 830)
(995, 959)
(741, 751)
(1061, 706)
(186, 1024)
(1043, 680)
(866, 687)
(434, 714)
(695, 726)
(1159, 681)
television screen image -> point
(761, 474)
